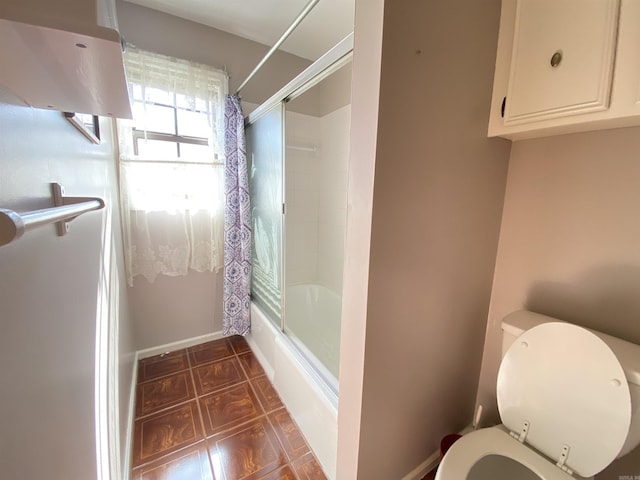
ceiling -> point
(264, 21)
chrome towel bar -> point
(13, 225)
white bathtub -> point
(312, 402)
(312, 320)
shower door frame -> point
(335, 58)
(315, 72)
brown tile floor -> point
(209, 413)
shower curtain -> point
(237, 224)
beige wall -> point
(438, 191)
(335, 90)
(50, 287)
(176, 308)
(570, 242)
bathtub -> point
(309, 397)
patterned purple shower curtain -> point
(237, 224)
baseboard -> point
(432, 462)
(130, 419)
(169, 347)
(425, 467)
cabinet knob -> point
(556, 58)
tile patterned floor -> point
(209, 413)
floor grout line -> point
(200, 414)
(208, 442)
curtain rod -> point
(305, 11)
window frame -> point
(174, 138)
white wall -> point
(50, 289)
(316, 197)
(301, 192)
(332, 196)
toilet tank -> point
(628, 355)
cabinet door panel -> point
(583, 33)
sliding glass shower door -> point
(298, 152)
(265, 153)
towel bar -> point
(13, 225)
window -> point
(168, 128)
(171, 166)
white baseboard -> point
(130, 419)
(169, 347)
(425, 467)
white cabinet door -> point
(562, 59)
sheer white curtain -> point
(172, 166)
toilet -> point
(569, 401)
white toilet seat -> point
(471, 448)
(562, 387)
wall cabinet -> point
(64, 55)
(566, 66)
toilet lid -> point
(570, 388)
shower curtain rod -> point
(305, 11)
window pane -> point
(157, 149)
(193, 124)
(137, 92)
(170, 187)
(189, 103)
(196, 153)
(159, 96)
(154, 118)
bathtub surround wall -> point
(316, 159)
(570, 244)
(332, 197)
(302, 168)
(437, 202)
(316, 181)
(55, 293)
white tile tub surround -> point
(301, 197)
(316, 196)
(332, 197)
